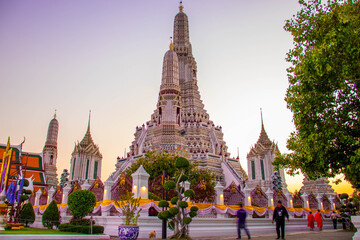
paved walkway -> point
(316, 235)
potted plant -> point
(131, 212)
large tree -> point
(323, 93)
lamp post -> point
(164, 221)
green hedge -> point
(68, 227)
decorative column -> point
(289, 199)
(331, 197)
(270, 198)
(50, 194)
(66, 191)
(37, 196)
(247, 196)
(107, 191)
(306, 200)
(140, 183)
(107, 194)
(219, 191)
(86, 185)
(319, 199)
(186, 185)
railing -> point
(235, 173)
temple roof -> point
(87, 144)
(263, 143)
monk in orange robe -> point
(311, 221)
(319, 220)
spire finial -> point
(89, 121)
(55, 114)
(171, 44)
(181, 7)
(262, 123)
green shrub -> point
(174, 210)
(27, 214)
(183, 204)
(51, 216)
(81, 221)
(166, 214)
(187, 220)
(181, 162)
(194, 209)
(189, 193)
(171, 225)
(174, 200)
(169, 185)
(81, 202)
(68, 227)
(163, 203)
(153, 196)
(184, 178)
(192, 214)
(160, 216)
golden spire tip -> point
(181, 7)
(171, 44)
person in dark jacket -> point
(280, 213)
(241, 222)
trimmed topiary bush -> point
(183, 204)
(174, 200)
(187, 220)
(27, 214)
(178, 218)
(194, 209)
(169, 185)
(174, 211)
(181, 162)
(81, 202)
(192, 214)
(163, 203)
(189, 193)
(51, 216)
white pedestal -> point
(356, 221)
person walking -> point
(334, 217)
(319, 220)
(241, 222)
(280, 213)
(311, 221)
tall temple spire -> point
(50, 152)
(52, 134)
(181, 32)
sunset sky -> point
(106, 56)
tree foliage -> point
(81, 202)
(323, 92)
(156, 163)
(51, 216)
(27, 214)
